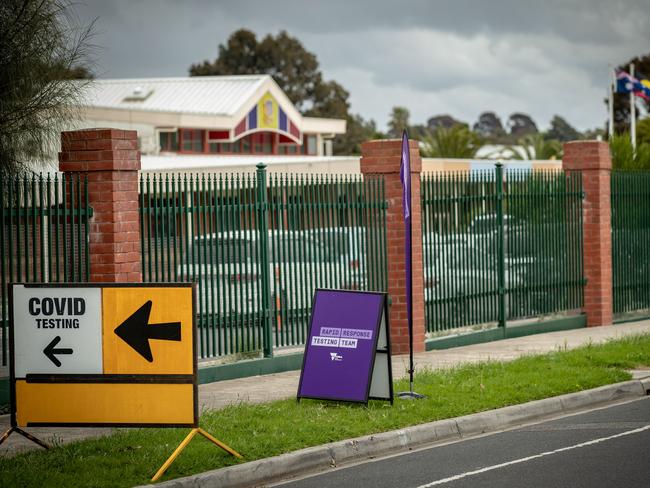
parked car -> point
(348, 246)
(464, 276)
(227, 268)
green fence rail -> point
(44, 234)
(258, 246)
(630, 240)
(500, 245)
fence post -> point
(593, 160)
(263, 255)
(111, 161)
(501, 258)
(382, 158)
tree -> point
(358, 130)
(562, 130)
(521, 125)
(489, 126)
(283, 57)
(297, 72)
(643, 131)
(43, 47)
(239, 56)
(455, 142)
(399, 122)
(330, 100)
(442, 121)
(625, 157)
(536, 146)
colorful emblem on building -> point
(268, 115)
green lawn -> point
(131, 457)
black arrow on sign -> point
(50, 351)
(136, 331)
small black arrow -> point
(50, 351)
(136, 331)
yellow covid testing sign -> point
(105, 355)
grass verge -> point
(131, 456)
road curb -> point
(321, 458)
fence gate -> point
(500, 245)
(258, 246)
(630, 239)
(44, 234)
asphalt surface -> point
(608, 447)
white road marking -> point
(536, 456)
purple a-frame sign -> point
(347, 355)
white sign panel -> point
(57, 330)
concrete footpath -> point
(259, 389)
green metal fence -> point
(630, 192)
(44, 234)
(500, 245)
(258, 246)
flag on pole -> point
(405, 178)
(645, 85)
(626, 83)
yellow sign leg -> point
(184, 444)
(217, 442)
(27, 435)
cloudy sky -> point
(459, 57)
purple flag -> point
(405, 177)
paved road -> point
(602, 448)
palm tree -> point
(536, 146)
(455, 142)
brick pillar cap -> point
(586, 156)
(385, 155)
(98, 133)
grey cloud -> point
(431, 56)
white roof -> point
(209, 95)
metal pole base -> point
(410, 395)
(26, 435)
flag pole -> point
(405, 176)
(632, 112)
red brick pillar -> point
(382, 158)
(111, 160)
(592, 158)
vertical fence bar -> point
(263, 251)
(6, 224)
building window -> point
(311, 145)
(192, 140)
(288, 148)
(262, 143)
(168, 141)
